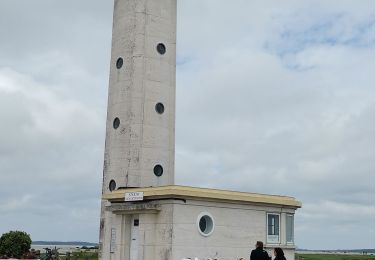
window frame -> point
(292, 229)
(212, 224)
(268, 239)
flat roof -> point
(185, 192)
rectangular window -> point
(290, 229)
(273, 228)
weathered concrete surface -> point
(237, 228)
(155, 231)
(144, 137)
(171, 232)
(134, 208)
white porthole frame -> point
(212, 220)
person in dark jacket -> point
(279, 254)
(258, 253)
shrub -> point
(15, 243)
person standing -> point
(258, 253)
(279, 254)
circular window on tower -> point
(116, 123)
(205, 224)
(158, 170)
(159, 108)
(112, 185)
(161, 48)
(119, 63)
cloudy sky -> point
(271, 97)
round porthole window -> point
(206, 224)
(158, 170)
(119, 63)
(116, 123)
(161, 48)
(159, 108)
(112, 185)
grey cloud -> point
(262, 125)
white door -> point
(134, 240)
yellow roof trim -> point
(175, 191)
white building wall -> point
(155, 234)
(172, 233)
(237, 228)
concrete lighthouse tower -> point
(144, 216)
(140, 136)
(140, 133)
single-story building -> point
(179, 222)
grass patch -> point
(82, 256)
(333, 257)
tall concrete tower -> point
(140, 134)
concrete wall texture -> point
(172, 233)
(142, 75)
(155, 235)
(237, 227)
(144, 137)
